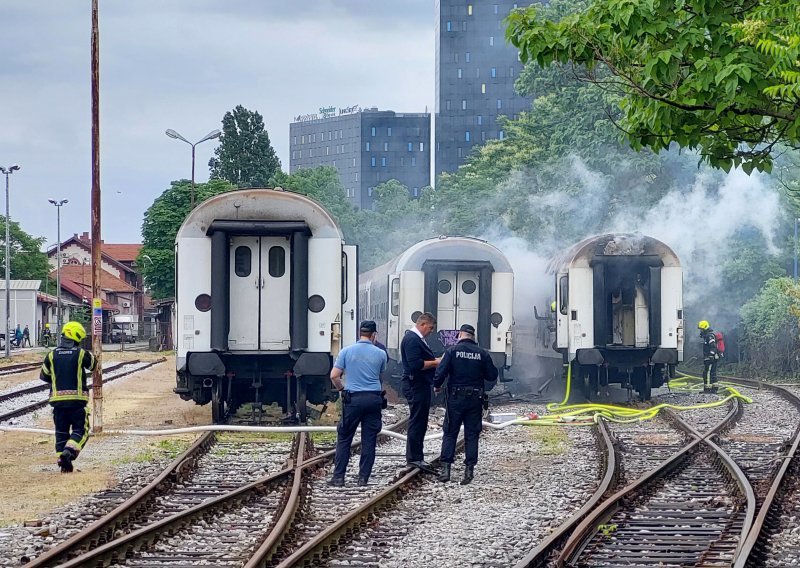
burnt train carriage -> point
(460, 280)
(265, 297)
(619, 311)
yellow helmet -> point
(703, 324)
(47, 325)
(553, 306)
(74, 331)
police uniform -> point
(67, 369)
(362, 402)
(466, 367)
(710, 357)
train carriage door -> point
(467, 299)
(350, 296)
(245, 289)
(446, 311)
(275, 289)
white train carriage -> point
(460, 280)
(265, 297)
(619, 311)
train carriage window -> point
(242, 261)
(563, 294)
(468, 287)
(444, 286)
(396, 297)
(277, 262)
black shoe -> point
(469, 475)
(424, 466)
(336, 481)
(65, 461)
(445, 475)
(363, 481)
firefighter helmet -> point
(74, 331)
(703, 324)
(553, 306)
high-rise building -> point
(367, 146)
(475, 73)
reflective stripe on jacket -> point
(67, 369)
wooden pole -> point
(97, 267)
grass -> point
(163, 449)
(553, 440)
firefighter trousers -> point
(72, 427)
(709, 372)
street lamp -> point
(8, 171)
(210, 136)
(58, 205)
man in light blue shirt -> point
(362, 401)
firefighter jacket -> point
(67, 369)
(466, 364)
(709, 344)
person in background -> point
(46, 335)
(17, 342)
(710, 355)
(67, 368)
(361, 365)
(468, 370)
(419, 365)
(26, 336)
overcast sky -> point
(182, 64)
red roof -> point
(83, 275)
(83, 292)
(87, 245)
(122, 252)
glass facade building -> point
(475, 73)
(367, 147)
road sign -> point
(97, 325)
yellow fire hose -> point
(561, 413)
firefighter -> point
(468, 369)
(710, 355)
(67, 369)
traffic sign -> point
(97, 325)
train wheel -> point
(217, 402)
(302, 398)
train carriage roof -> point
(443, 248)
(260, 205)
(612, 244)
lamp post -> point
(210, 136)
(795, 249)
(8, 171)
(58, 205)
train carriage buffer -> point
(206, 365)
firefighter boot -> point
(445, 475)
(469, 474)
(65, 460)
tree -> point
(770, 327)
(691, 73)
(159, 228)
(28, 262)
(245, 156)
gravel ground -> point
(528, 480)
(19, 544)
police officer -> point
(466, 367)
(710, 355)
(362, 400)
(67, 369)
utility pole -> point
(795, 250)
(97, 267)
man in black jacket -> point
(469, 371)
(67, 368)
(419, 365)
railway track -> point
(28, 400)
(201, 508)
(18, 368)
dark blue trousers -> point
(469, 412)
(418, 395)
(72, 427)
(364, 408)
